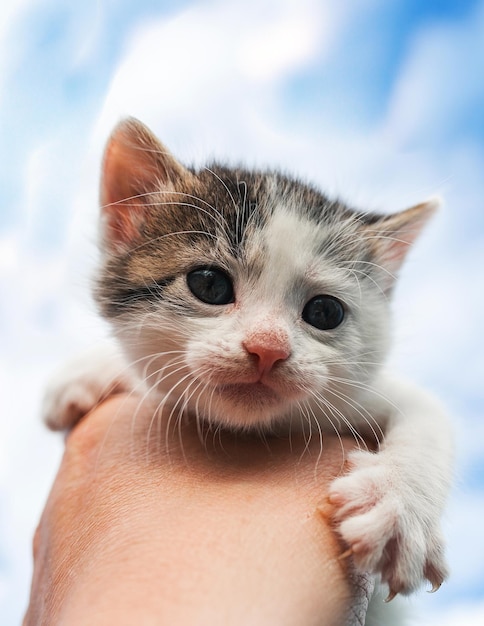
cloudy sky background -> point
(379, 102)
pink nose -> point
(268, 347)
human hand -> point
(146, 528)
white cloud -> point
(441, 77)
(8, 255)
(213, 63)
(278, 47)
(11, 10)
(458, 615)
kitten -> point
(250, 300)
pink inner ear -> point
(113, 183)
(396, 235)
(135, 165)
(127, 173)
(393, 255)
(122, 223)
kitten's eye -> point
(211, 285)
(323, 312)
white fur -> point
(84, 382)
(399, 493)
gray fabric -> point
(363, 585)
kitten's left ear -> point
(391, 237)
(136, 168)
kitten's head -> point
(246, 297)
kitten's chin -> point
(247, 406)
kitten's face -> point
(246, 298)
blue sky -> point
(380, 102)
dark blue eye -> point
(324, 312)
(211, 285)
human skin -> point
(146, 525)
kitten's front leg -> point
(390, 503)
(83, 383)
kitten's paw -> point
(81, 385)
(387, 525)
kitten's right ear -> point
(136, 166)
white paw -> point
(388, 524)
(82, 384)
